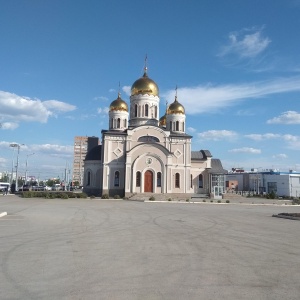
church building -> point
(141, 153)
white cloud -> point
(290, 141)
(191, 129)
(260, 137)
(104, 110)
(244, 112)
(210, 98)
(101, 98)
(217, 135)
(291, 138)
(246, 43)
(8, 125)
(280, 156)
(52, 149)
(127, 90)
(23, 109)
(58, 106)
(2, 162)
(288, 117)
(246, 150)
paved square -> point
(106, 249)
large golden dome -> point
(175, 108)
(118, 105)
(144, 85)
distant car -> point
(25, 187)
(56, 187)
(38, 188)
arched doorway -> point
(148, 182)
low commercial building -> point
(284, 184)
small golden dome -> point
(175, 108)
(144, 85)
(163, 121)
(118, 105)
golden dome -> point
(175, 108)
(118, 105)
(163, 120)
(144, 85)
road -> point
(106, 249)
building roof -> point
(94, 153)
(216, 167)
(202, 154)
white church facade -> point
(142, 153)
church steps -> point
(163, 197)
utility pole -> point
(26, 166)
(15, 145)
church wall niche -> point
(178, 180)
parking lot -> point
(116, 249)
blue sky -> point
(236, 64)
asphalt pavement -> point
(116, 249)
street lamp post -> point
(26, 166)
(15, 145)
(12, 167)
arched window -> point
(118, 123)
(200, 181)
(88, 178)
(159, 179)
(148, 139)
(191, 181)
(155, 112)
(138, 179)
(177, 180)
(177, 125)
(135, 110)
(117, 179)
(146, 110)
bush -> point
(187, 200)
(105, 196)
(219, 201)
(64, 196)
(227, 201)
(152, 198)
(92, 197)
(211, 200)
(296, 201)
(26, 194)
(203, 200)
(81, 195)
(117, 197)
(52, 195)
(169, 199)
(271, 195)
(71, 194)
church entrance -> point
(148, 182)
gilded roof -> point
(163, 121)
(118, 105)
(144, 85)
(175, 108)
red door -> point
(148, 182)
